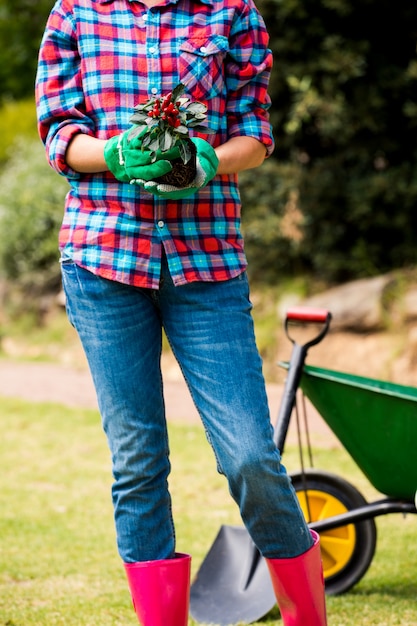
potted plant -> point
(164, 123)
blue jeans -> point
(210, 329)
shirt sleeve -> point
(58, 89)
(248, 69)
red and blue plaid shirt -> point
(98, 59)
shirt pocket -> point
(201, 62)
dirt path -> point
(50, 382)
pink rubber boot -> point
(161, 590)
(299, 587)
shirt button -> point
(152, 50)
(154, 90)
(161, 223)
(203, 49)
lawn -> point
(58, 560)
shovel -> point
(233, 583)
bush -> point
(21, 26)
(345, 120)
(345, 117)
(17, 119)
(31, 209)
(272, 223)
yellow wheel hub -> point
(337, 545)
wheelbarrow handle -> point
(308, 314)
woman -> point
(138, 257)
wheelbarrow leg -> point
(160, 590)
(299, 587)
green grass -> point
(58, 560)
(24, 336)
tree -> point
(340, 192)
(345, 118)
(21, 27)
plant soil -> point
(182, 174)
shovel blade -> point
(233, 583)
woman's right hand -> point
(127, 161)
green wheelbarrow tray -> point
(375, 421)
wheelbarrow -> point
(376, 422)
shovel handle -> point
(295, 369)
(308, 314)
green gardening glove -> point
(126, 159)
(207, 164)
(140, 165)
(115, 154)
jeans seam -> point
(219, 465)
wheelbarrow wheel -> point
(347, 551)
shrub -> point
(31, 208)
(344, 114)
(272, 222)
(17, 119)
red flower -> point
(167, 121)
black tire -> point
(347, 551)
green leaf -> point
(139, 118)
(185, 152)
(178, 90)
(134, 132)
(193, 123)
(196, 108)
(154, 144)
(199, 128)
(167, 141)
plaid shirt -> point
(98, 59)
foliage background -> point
(345, 121)
(337, 200)
(31, 200)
